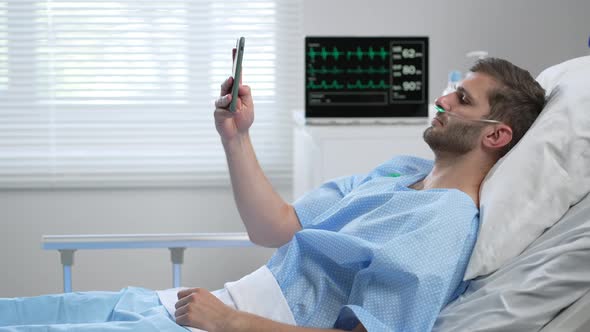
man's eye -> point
(463, 99)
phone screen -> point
(237, 73)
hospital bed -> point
(544, 288)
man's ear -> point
(497, 136)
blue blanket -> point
(131, 309)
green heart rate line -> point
(369, 85)
(370, 70)
(358, 85)
(323, 85)
(359, 53)
(323, 70)
(335, 70)
(324, 53)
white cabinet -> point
(323, 152)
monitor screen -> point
(366, 77)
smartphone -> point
(237, 73)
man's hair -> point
(518, 99)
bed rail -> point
(67, 245)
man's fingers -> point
(226, 86)
(223, 101)
(183, 320)
(244, 90)
(181, 311)
(185, 292)
(186, 296)
(222, 114)
(182, 302)
(245, 94)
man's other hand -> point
(197, 307)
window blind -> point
(120, 93)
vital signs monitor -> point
(366, 78)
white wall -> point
(531, 33)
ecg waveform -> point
(359, 53)
(356, 85)
(335, 70)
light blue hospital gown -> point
(374, 251)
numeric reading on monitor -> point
(407, 68)
(363, 72)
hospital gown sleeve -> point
(316, 201)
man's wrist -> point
(235, 321)
(236, 143)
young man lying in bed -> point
(384, 251)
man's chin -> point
(431, 134)
(427, 131)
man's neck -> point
(464, 173)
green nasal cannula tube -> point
(439, 109)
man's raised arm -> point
(269, 220)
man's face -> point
(458, 134)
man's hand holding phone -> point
(231, 124)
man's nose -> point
(445, 101)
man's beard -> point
(455, 138)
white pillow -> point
(548, 171)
